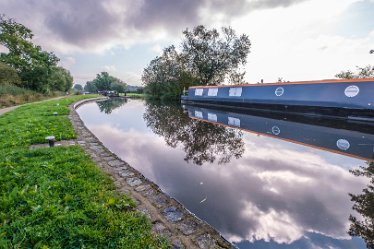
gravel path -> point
(8, 109)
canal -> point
(261, 181)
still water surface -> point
(257, 190)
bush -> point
(13, 95)
(8, 75)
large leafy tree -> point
(60, 79)
(213, 56)
(167, 75)
(37, 69)
(207, 58)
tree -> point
(236, 77)
(105, 82)
(118, 87)
(8, 75)
(362, 73)
(167, 75)
(33, 65)
(90, 87)
(60, 79)
(78, 87)
(37, 69)
(364, 205)
(213, 56)
(207, 58)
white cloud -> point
(110, 68)
(292, 39)
(299, 43)
(68, 62)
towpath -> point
(11, 108)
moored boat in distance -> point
(349, 99)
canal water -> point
(262, 181)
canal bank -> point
(169, 218)
(57, 197)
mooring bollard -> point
(51, 140)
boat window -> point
(199, 92)
(235, 91)
(212, 117)
(234, 121)
(212, 91)
(198, 114)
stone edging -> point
(169, 218)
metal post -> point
(51, 141)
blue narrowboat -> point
(348, 99)
(337, 136)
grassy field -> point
(57, 197)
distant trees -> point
(36, 68)
(362, 72)
(78, 87)
(104, 81)
(207, 58)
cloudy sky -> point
(292, 39)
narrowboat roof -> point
(294, 83)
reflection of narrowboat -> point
(341, 137)
(352, 99)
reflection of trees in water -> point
(107, 106)
(202, 141)
(364, 204)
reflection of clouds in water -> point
(276, 191)
(270, 224)
(131, 145)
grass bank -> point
(57, 197)
(11, 95)
(135, 95)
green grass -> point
(57, 197)
(135, 95)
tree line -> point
(206, 57)
(105, 82)
(27, 65)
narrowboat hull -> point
(352, 99)
(341, 137)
